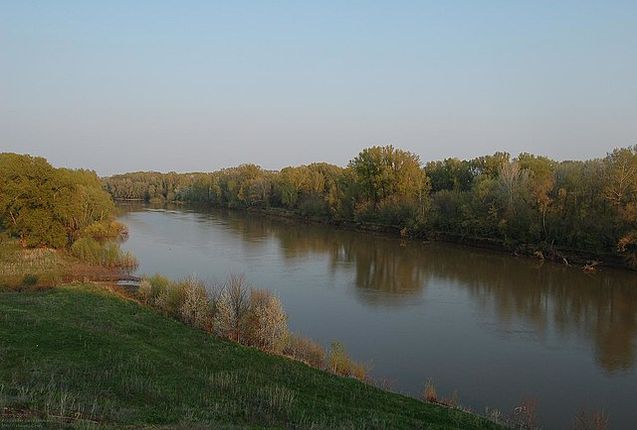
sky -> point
(119, 86)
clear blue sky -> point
(186, 85)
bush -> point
(157, 284)
(87, 249)
(305, 350)
(29, 280)
(231, 309)
(186, 300)
(145, 291)
(170, 298)
(195, 307)
(340, 363)
(267, 327)
(248, 316)
(103, 230)
(429, 393)
(107, 254)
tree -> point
(42, 205)
(390, 178)
(542, 179)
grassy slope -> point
(78, 351)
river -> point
(495, 329)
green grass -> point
(79, 356)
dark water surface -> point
(494, 328)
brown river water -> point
(494, 328)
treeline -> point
(588, 206)
(59, 208)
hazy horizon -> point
(197, 86)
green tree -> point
(389, 177)
(42, 205)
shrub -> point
(29, 280)
(305, 350)
(87, 249)
(104, 230)
(248, 316)
(338, 360)
(429, 394)
(145, 291)
(170, 299)
(231, 309)
(340, 363)
(358, 370)
(158, 284)
(107, 254)
(195, 307)
(267, 326)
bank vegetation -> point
(529, 204)
(253, 317)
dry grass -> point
(20, 266)
(27, 268)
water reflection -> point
(424, 309)
(601, 307)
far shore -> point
(583, 260)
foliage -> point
(267, 324)
(107, 254)
(104, 230)
(231, 309)
(45, 206)
(195, 307)
(587, 206)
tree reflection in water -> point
(600, 307)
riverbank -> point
(82, 356)
(571, 257)
(584, 260)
